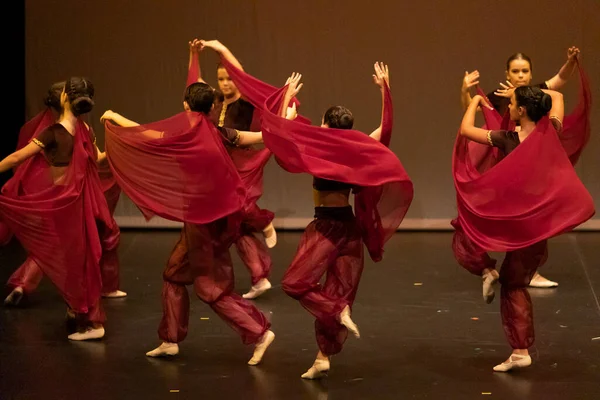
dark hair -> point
(519, 56)
(80, 93)
(199, 97)
(52, 98)
(338, 117)
(536, 102)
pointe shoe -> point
(515, 362)
(165, 349)
(538, 281)
(270, 240)
(319, 370)
(14, 298)
(89, 334)
(489, 280)
(261, 286)
(348, 323)
(261, 347)
(114, 295)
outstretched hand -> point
(505, 90)
(470, 80)
(294, 85)
(382, 74)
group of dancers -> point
(514, 179)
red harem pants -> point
(252, 251)
(332, 245)
(201, 257)
(517, 270)
(29, 275)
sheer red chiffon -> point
(57, 221)
(176, 168)
(383, 190)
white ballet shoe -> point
(538, 281)
(489, 280)
(14, 298)
(270, 235)
(114, 295)
(261, 286)
(89, 334)
(261, 347)
(166, 349)
(319, 370)
(348, 323)
(516, 361)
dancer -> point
(28, 276)
(532, 193)
(187, 151)
(340, 160)
(235, 112)
(54, 206)
(519, 72)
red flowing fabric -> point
(532, 195)
(57, 222)
(35, 126)
(384, 191)
(249, 162)
(176, 168)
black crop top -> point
(326, 185)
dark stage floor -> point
(419, 341)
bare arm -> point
(560, 79)
(117, 119)
(470, 80)
(468, 128)
(195, 47)
(381, 78)
(19, 157)
(557, 112)
(293, 89)
(222, 50)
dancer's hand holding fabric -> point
(381, 77)
(222, 50)
(117, 119)
(291, 113)
(382, 74)
(573, 54)
(293, 89)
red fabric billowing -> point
(176, 168)
(110, 187)
(57, 222)
(576, 125)
(529, 196)
(384, 190)
(35, 126)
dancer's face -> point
(519, 73)
(516, 112)
(226, 85)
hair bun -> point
(82, 105)
(546, 102)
